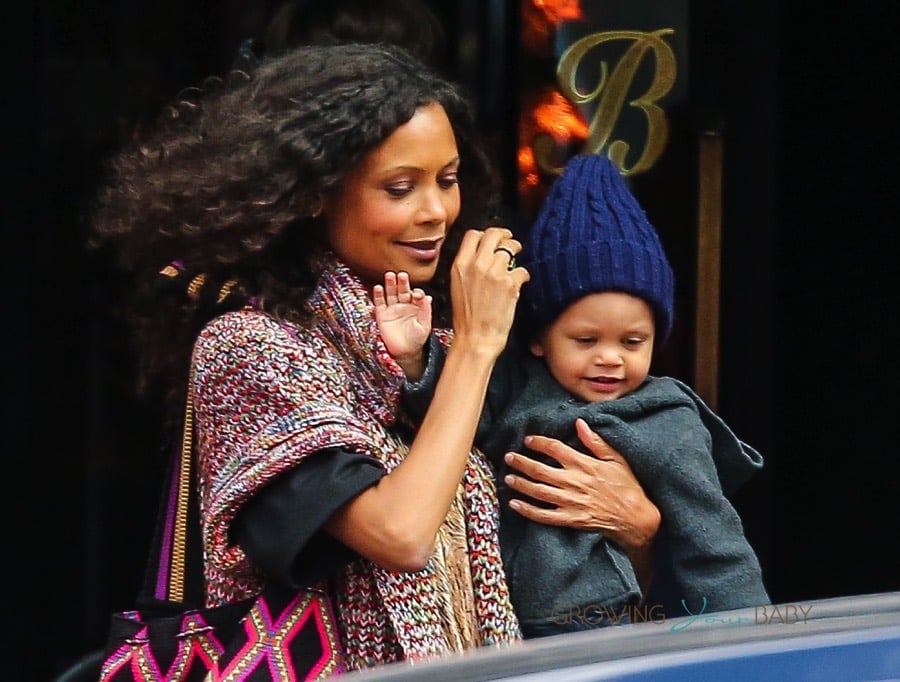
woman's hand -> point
(598, 492)
(485, 288)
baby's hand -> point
(403, 315)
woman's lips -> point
(424, 249)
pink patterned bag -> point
(275, 637)
(280, 636)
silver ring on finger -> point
(512, 257)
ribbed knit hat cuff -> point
(596, 267)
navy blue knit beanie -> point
(592, 236)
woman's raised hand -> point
(484, 288)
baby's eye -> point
(633, 341)
(584, 340)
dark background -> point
(808, 363)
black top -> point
(280, 528)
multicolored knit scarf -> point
(267, 394)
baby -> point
(601, 297)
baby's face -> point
(600, 347)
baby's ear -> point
(536, 347)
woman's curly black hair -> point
(412, 24)
(229, 184)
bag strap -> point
(179, 539)
(164, 580)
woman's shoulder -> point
(237, 326)
(247, 332)
(260, 350)
(247, 320)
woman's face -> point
(395, 207)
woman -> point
(287, 195)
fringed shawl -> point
(267, 394)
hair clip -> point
(225, 290)
(196, 285)
(173, 269)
